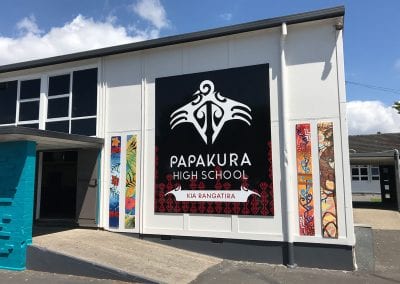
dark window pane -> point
(354, 178)
(375, 171)
(29, 111)
(59, 126)
(57, 108)
(364, 171)
(30, 125)
(354, 171)
(364, 178)
(30, 89)
(8, 101)
(84, 127)
(84, 93)
(375, 178)
(59, 85)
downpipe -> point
(286, 132)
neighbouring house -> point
(374, 163)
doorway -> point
(58, 185)
(388, 185)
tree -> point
(396, 106)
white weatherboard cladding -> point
(312, 71)
(366, 186)
(123, 77)
(255, 48)
(313, 91)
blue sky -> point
(42, 28)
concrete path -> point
(166, 264)
(387, 269)
(39, 277)
(378, 219)
(156, 262)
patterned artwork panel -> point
(115, 175)
(304, 180)
(130, 183)
(327, 180)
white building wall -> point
(315, 95)
(315, 73)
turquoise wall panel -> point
(17, 181)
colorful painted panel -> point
(327, 180)
(115, 163)
(130, 185)
(304, 180)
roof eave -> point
(177, 39)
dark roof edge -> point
(372, 155)
(183, 38)
(19, 130)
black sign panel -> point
(213, 143)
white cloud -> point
(152, 11)
(78, 35)
(28, 25)
(368, 117)
(226, 16)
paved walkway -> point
(146, 259)
(165, 264)
(378, 219)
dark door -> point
(86, 199)
(59, 180)
(388, 184)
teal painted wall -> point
(17, 182)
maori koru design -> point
(304, 180)
(327, 180)
(209, 111)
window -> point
(72, 102)
(29, 111)
(84, 102)
(364, 173)
(29, 101)
(59, 85)
(84, 126)
(58, 100)
(359, 172)
(8, 99)
(84, 90)
(58, 107)
(59, 126)
(374, 173)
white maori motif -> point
(208, 112)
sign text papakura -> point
(213, 150)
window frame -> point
(43, 99)
(19, 122)
(49, 98)
(370, 177)
(70, 95)
(375, 175)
